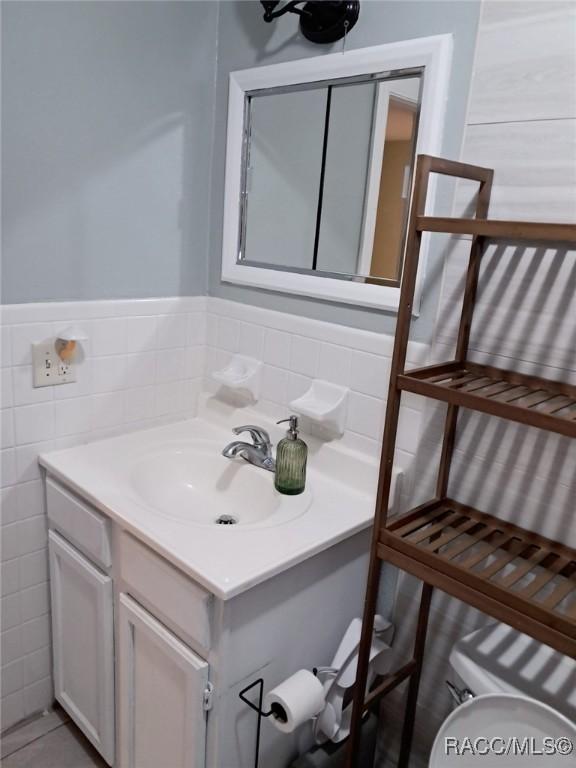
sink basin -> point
(196, 484)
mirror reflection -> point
(326, 176)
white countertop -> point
(227, 560)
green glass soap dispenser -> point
(291, 457)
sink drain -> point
(226, 520)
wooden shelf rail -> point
(495, 229)
(542, 403)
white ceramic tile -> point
(34, 602)
(33, 568)
(170, 365)
(6, 391)
(197, 328)
(216, 359)
(37, 666)
(107, 410)
(9, 505)
(370, 374)
(335, 364)
(304, 356)
(274, 384)
(12, 709)
(140, 334)
(23, 336)
(33, 534)
(109, 336)
(195, 362)
(25, 393)
(169, 398)
(11, 644)
(7, 428)
(212, 330)
(34, 423)
(30, 499)
(140, 370)
(73, 416)
(192, 391)
(227, 334)
(10, 578)
(12, 677)
(277, 348)
(172, 331)
(109, 373)
(297, 386)
(6, 345)
(12, 541)
(409, 429)
(10, 611)
(357, 442)
(27, 467)
(35, 634)
(7, 466)
(139, 403)
(38, 697)
(365, 415)
(251, 340)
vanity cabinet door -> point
(83, 640)
(162, 682)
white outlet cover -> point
(48, 369)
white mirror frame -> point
(434, 54)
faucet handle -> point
(259, 436)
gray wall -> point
(113, 150)
(244, 40)
(106, 148)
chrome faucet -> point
(258, 452)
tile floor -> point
(49, 742)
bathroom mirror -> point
(326, 176)
(319, 167)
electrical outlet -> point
(48, 368)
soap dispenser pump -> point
(291, 457)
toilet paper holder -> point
(259, 710)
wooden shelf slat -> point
(499, 229)
(540, 402)
(532, 564)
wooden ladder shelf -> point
(511, 574)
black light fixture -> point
(321, 21)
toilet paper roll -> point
(294, 701)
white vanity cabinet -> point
(162, 691)
(150, 663)
(83, 643)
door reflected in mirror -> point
(326, 173)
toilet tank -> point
(498, 659)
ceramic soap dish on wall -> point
(324, 404)
(242, 374)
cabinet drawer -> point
(79, 523)
(168, 593)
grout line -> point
(32, 741)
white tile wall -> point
(143, 365)
(295, 350)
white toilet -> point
(519, 704)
